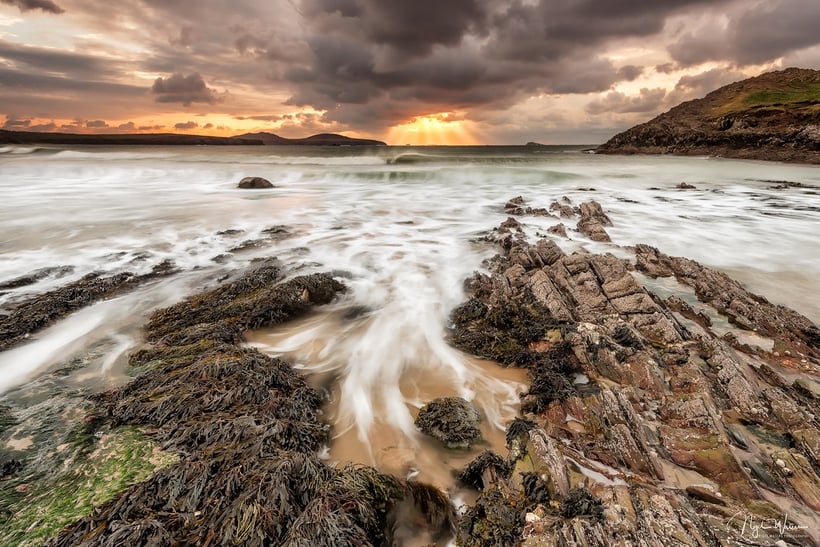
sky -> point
(402, 71)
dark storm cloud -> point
(412, 28)
(28, 5)
(378, 62)
(179, 88)
(756, 33)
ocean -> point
(400, 226)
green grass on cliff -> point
(801, 95)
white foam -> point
(402, 231)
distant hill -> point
(322, 139)
(774, 116)
(31, 137)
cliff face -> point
(775, 116)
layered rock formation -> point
(644, 424)
(775, 116)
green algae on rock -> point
(38, 503)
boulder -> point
(254, 183)
(451, 420)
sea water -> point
(399, 226)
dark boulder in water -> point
(254, 183)
(451, 420)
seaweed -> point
(536, 490)
(450, 420)
(247, 429)
(581, 503)
(41, 311)
(492, 521)
(486, 462)
(518, 428)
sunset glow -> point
(442, 128)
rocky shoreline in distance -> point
(690, 419)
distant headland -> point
(169, 139)
(774, 116)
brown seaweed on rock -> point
(247, 428)
(42, 310)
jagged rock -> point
(564, 210)
(450, 420)
(559, 230)
(517, 206)
(254, 183)
(655, 397)
(749, 311)
(592, 222)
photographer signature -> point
(755, 527)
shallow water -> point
(398, 225)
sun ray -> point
(442, 128)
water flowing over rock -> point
(40, 311)
(644, 425)
(247, 429)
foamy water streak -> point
(396, 222)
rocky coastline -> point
(773, 117)
(685, 419)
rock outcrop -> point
(775, 116)
(641, 426)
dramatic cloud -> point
(367, 66)
(648, 101)
(186, 125)
(179, 88)
(700, 84)
(751, 34)
(27, 5)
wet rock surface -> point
(246, 429)
(642, 425)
